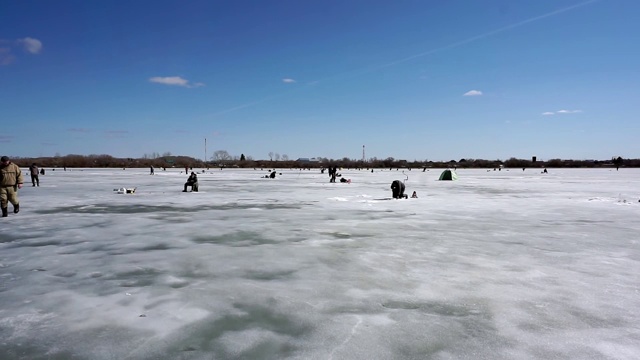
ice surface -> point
(497, 265)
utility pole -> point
(363, 158)
(205, 152)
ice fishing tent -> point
(448, 175)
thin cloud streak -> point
(548, 113)
(485, 35)
(79, 130)
(6, 57)
(116, 134)
(246, 105)
(422, 54)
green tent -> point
(448, 175)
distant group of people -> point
(11, 180)
(272, 175)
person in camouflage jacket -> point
(10, 181)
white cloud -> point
(170, 80)
(546, 113)
(473, 93)
(31, 45)
(174, 81)
(288, 81)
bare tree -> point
(277, 157)
(285, 157)
(271, 155)
(221, 155)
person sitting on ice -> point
(414, 195)
(191, 181)
(343, 180)
(397, 189)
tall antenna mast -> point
(205, 151)
(363, 158)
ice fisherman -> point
(33, 171)
(191, 181)
(397, 189)
(10, 181)
(333, 171)
(414, 195)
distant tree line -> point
(222, 158)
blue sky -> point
(435, 80)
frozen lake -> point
(497, 265)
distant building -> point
(308, 160)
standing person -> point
(332, 174)
(33, 170)
(10, 181)
(151, 168)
